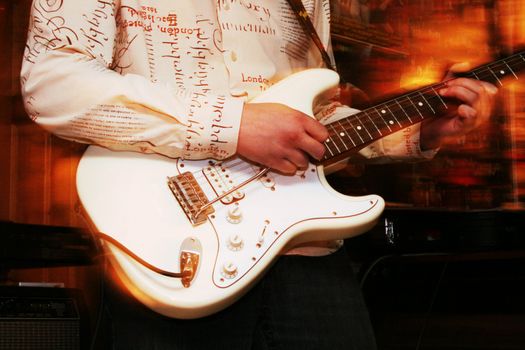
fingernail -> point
(461, 66)
(491, 89)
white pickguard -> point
(127, 197)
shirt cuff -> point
(212, 129)
(405, 145)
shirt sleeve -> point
(71, 87)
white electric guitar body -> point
(160, 214)
(127, 197)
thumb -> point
(456, 68)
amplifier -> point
(35, 318)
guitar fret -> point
(349, 130)
(335, 139)
(327, 144)
(363, 126)
(404, 111)
(429, 105)
(357, 135)
(374, 124)
(355, 130)
(383, 119)
(346, 134)
(495, 76)
(417, 109)
(339, 143)
(439, 96)
(341, 134)
(515, 76)
(335, 144)
(342, 143)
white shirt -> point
(168, 76)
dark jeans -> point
(301, 303)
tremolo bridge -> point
(191, 198)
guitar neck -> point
(350, 134)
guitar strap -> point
(308, 27)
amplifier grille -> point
(40, 334)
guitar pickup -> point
(191, 197)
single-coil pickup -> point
(221, 180)
(190, 196)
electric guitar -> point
(188, 238)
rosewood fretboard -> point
(352, 133)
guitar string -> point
(227, 181)
(223, 183)
(240, 166)
(394, 106)
(481, 71)
(380, 115)
(429, 94)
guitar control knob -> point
(229, 270)
(234, 215)
(235, 242)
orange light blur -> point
(485, 168)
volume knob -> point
(235, 242)
(234, 215)
(229, 269)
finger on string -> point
(312, 147)
(456, 68)
(316, 130)
(298, 158)
(460, 92)
(284, 166)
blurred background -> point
(443, 269)
(384, 47)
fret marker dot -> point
(359, 127)
(383, 111)
(420, 104)
(502, 72)
(391, 122)
(342, 134)
(328, 140)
